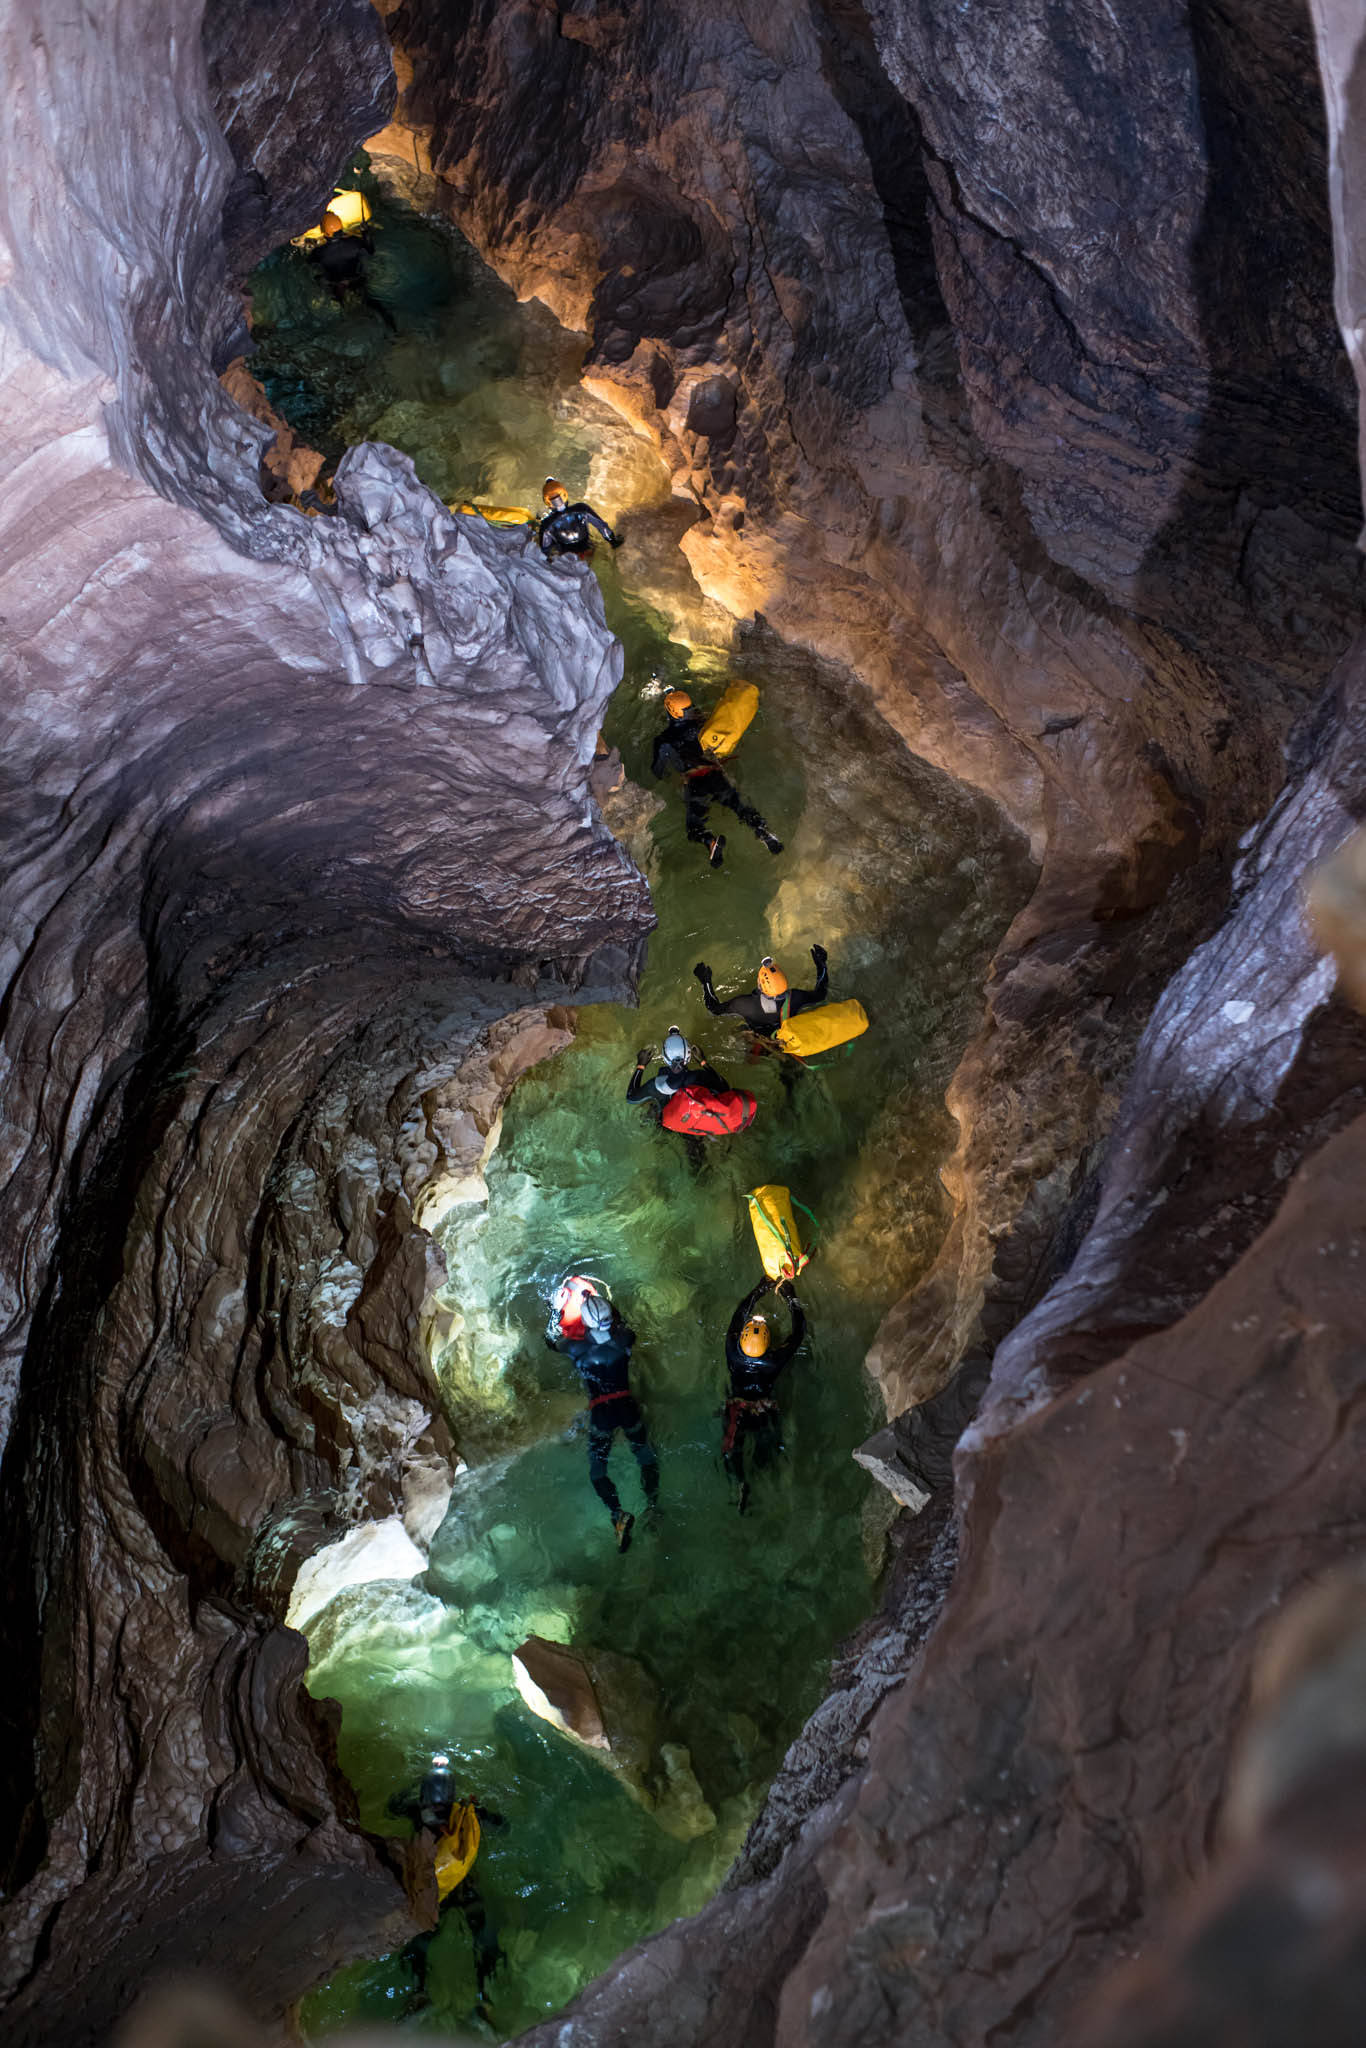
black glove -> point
(703, 973)
(643, 1057)
(820, 956)
(617, 539)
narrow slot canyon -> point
(978, 385)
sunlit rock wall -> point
(294, 814)
(996, 352)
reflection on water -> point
(728, 1622)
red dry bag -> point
(699, 1113)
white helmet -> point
(675, 1047)
(596, 1314)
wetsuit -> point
(566, 533)
(751, 1410)
(605, 1370)
(678, 751)
(765, 1014)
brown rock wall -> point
(280, 799)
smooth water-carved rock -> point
(281, 800)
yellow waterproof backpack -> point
(775, 1232)
(820, 1029)
(457, 1848)
(497, 515)
(723, 731)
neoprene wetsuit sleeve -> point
(663, 757)
(783, 1352)
(593, 520)
(638, 1090)
(709, 1078)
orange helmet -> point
(772, 980)
(332, 224)
(677, 702)
(754, 1337)
(552, 488)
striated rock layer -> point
(295, 816)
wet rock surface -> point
(1018, 420)
(281, 802)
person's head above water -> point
(597, 1317)
(754, 1337)
(772, 980)
(675, 1048)
(552, 490)
(332, 224)
(678, 703)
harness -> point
(618, 1394)
(735, 1409)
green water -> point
(729, 1622)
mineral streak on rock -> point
(295, 814)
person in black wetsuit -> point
(754, 1362)
(430, 1805)
(678, 750)
(675, 1073)
(765, 1008)
(340, 259)
(602, 1360)
(568, 529)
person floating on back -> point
(602, 1359)
(693, 1100)
(769, 1005)
(754, 1361)
(678, 750)
(568, 529)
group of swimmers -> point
(694, 1100)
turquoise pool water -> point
(726, 1622)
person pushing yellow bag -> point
(776, 1233)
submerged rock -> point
(610, 1706)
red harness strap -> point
(620, 1394)
(735, 1409)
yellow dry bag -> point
(497, 515)
(457, 1849)
(818, 1030)
(775, 1232)
(723, 731)
(352, 209)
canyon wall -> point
(281, 801)
(996, 353)
(1020, 421)
(1009, 416)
